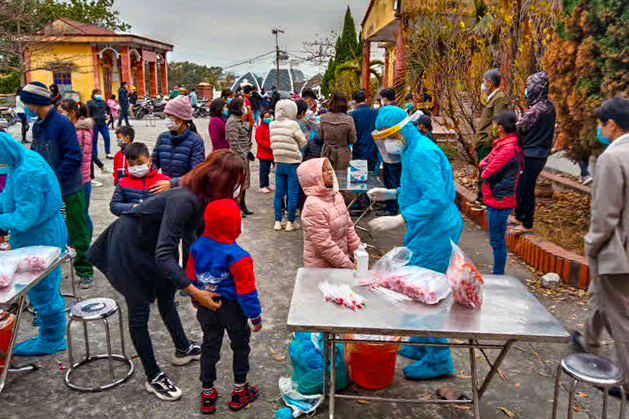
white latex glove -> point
(382, 224)
(382, 194)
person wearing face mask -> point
(536, 131)
(124, 136)
(428, 212)
(134, 188)
(216, 127)
(485, 134)
(238, 134)
(606, 241)
(139, 255)
(179, 149)
(265, 154)
(97, 110)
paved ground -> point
(524, 390)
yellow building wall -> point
(380, 15)
(80, 55)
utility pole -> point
(276, 32)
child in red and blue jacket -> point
(500, 172)
(218, 264)
(135, 186)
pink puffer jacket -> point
(84, 134)
(329, 235)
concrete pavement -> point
(525, 388)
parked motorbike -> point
(201, 110)
(8, 114)
(150, 107)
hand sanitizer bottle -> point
(362, 260)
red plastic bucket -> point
(6, 328)
(371, 365)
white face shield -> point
(390, 142)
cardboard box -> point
(357, 171)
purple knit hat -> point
(179, 107)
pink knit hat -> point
(179, 107)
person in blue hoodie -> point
(54, 138)
(426, 199)
(218, 264)
(30, 210)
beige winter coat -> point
(329, 234)
(287, 139)
(338, 131)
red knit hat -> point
(223, 222)
(179, 107)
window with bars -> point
(63, 80)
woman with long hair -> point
(338, 131)
(139, 255)
(238, 136)
(216, 128)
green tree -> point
(347, 49)
(94, 12)
(191, 74)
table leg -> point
(474, 374)
(349, 206)
(362, 215)
(16, 327)
(495, 367)
(332, 378)
(326, 363)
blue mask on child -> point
(526, 93)
(599, 135)
(267, 120)
(226, 112)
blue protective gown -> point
(30, 208)
(426, 198)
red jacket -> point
(120, 166)
(500, 172)
(132, 190)
(263, 138)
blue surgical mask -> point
(526, 93)
(267, 120)
(229, 100)
(98, 97)
(599, 135)
(225, 112)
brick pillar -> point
(164, 74)
(95, 67)
(366, 66)
(141, 84)
(153, 78)
(387, 68)
(125, 63)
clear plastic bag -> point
(419, 284)
(31, 259)
(397, 258)
(7, 270)
(466, 281)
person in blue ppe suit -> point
(30, 206)
(426, 199)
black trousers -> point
(391, 173)
(24, 122)
(525, 196)
(139, 312)
(124, 114)
(228, 318)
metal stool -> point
(74, 295)
(96, 309)
(590, 369)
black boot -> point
(243, 206)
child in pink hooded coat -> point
(330, 239)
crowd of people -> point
(179, 195)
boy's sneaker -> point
(292, 226)
(265, 190)
(241, 399)
(163, 388)
(208, 401)
(586, 180)
(277, 226)
(193, 353)
(86, 283)
(109, 156)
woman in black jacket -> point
(139, 255)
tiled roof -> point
(77, 28)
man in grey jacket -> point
(607, 244)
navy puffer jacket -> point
(176, 155)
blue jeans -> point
(287, 184)
(105, 131)
(583, 166)
(87, 191)
(497, 220)
(265, 170)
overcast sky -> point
(225, 32)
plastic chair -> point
(589, 369)
(96, 309)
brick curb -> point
(535, 251)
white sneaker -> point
(96, 183)
(265, 190)
(278, 226)
(109, 156)
(284, 222)
(104, 170)
(292, 226)
(163, 388)
(271, 188)
(586, 180)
